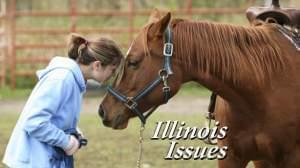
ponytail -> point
(74, 44)
(102, 49)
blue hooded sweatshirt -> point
(53, 106)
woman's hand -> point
(73, 146)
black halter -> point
(163, 74)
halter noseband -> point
(163, 74)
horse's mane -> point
(228, 51)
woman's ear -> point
(96, 65)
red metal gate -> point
(131, 13)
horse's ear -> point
(155, 16)
(158, 28)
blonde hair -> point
(101, 49)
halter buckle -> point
(166, 89)
(168, 49)
(130, 103)
(163, 73)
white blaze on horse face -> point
(128, 51)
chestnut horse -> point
(254, 70)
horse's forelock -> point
(120, 73)
(121, 69)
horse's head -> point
(144, 65)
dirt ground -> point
(90, 105)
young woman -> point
(54, 104)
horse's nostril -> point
(101, 111)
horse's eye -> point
(133, 64)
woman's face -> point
(102, 73)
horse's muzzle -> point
(103, 115)
(101, 111)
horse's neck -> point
(223, 88)
(214, 66)
(224, 56)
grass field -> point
(109, 148)
(119, 149)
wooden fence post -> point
(189, 7)
(130, 21)
(12, 42)
(3, 44)
(73, 15)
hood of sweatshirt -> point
(65, 63)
